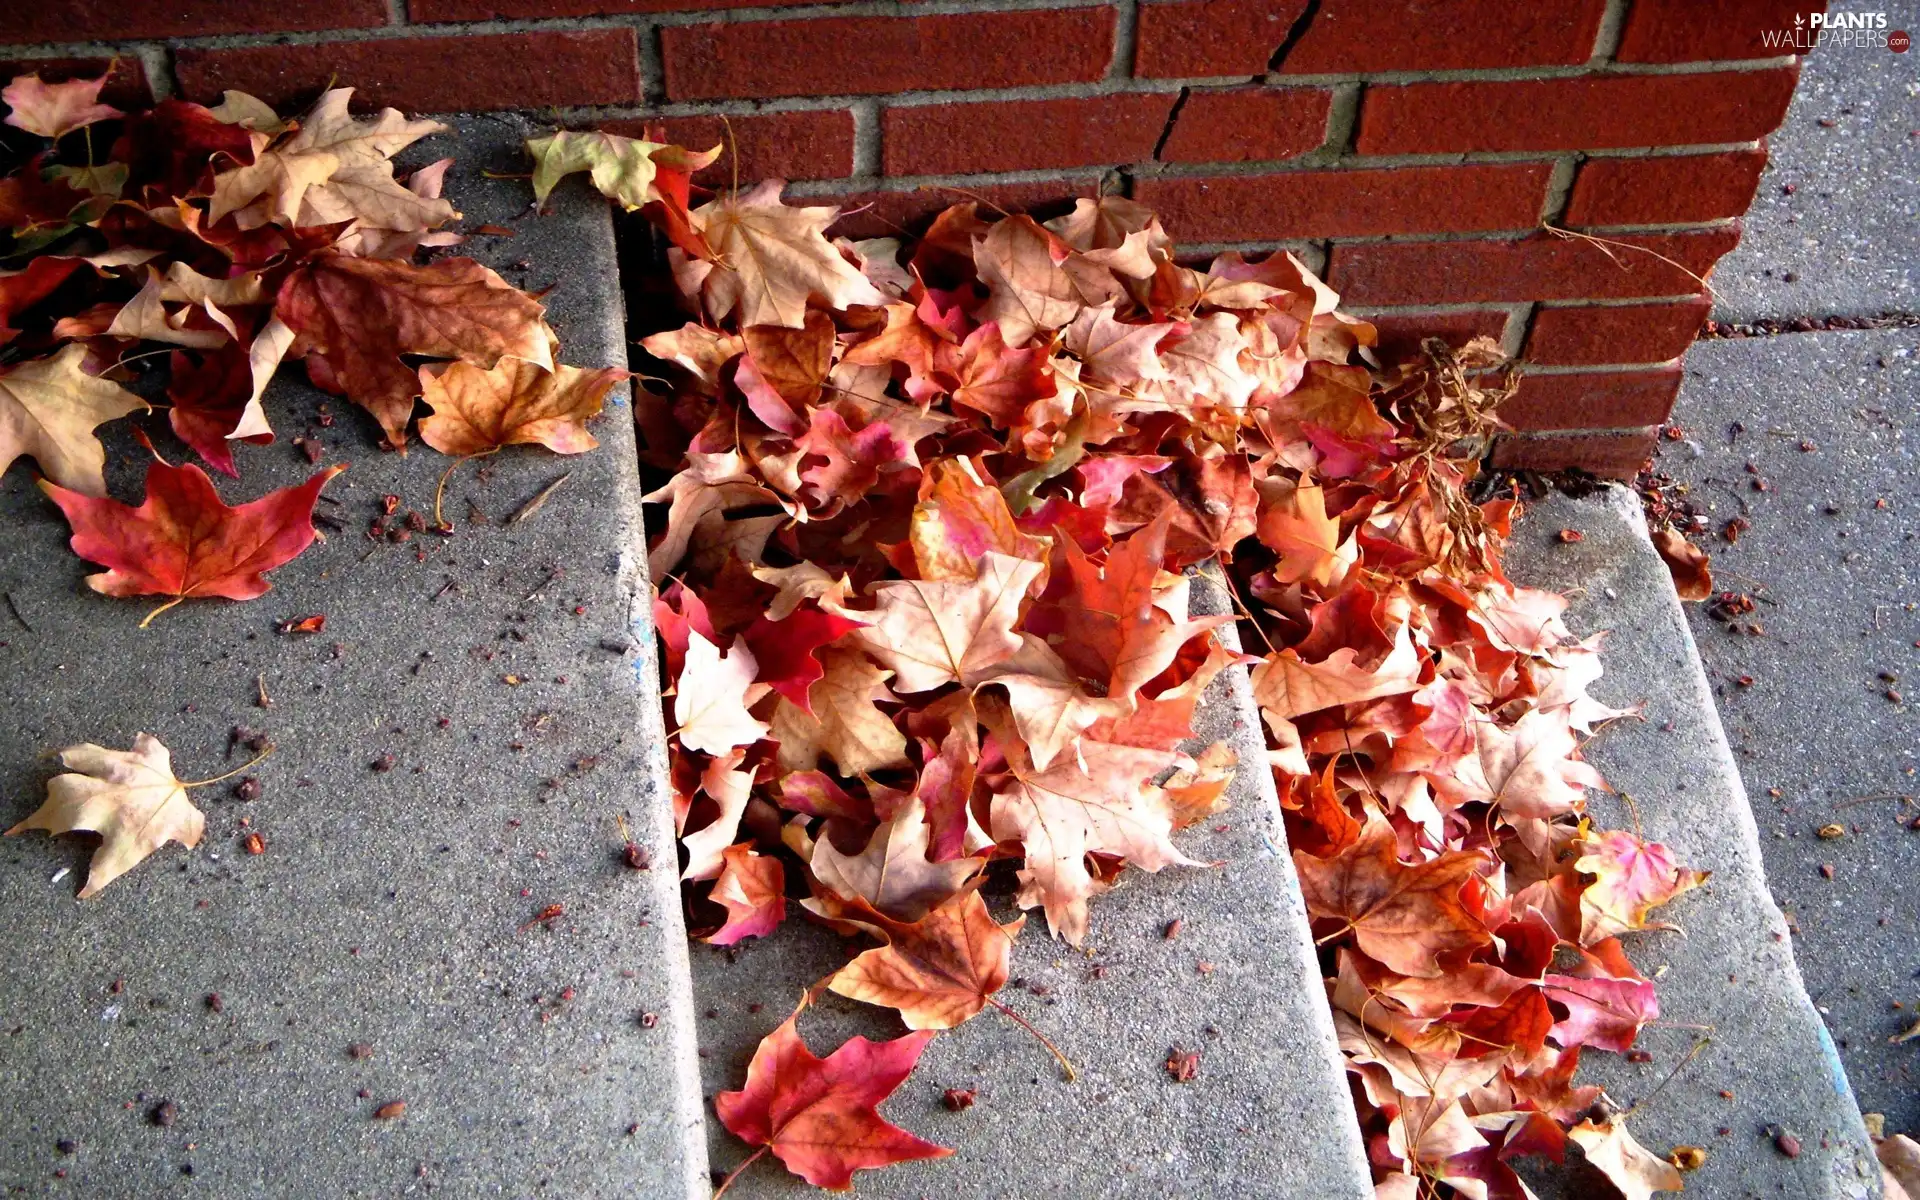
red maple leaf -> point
(183, 541)
(817, 1115)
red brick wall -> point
(1410, 149)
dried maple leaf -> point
(788, 649)
(1607, 1001)
(49, 408)
(1203, 363)
(129, 797)
(771, 259)
(622, 168)
(1632, 1168)
(355, 317)
(1294, 524)
(1631, 879)
(934, 633)
(476, 411)
(1035, 281)
(331, 169)
(893, 873)
(938, 971)
(1060, 815)
(752, 888)
(1335, 398)
(793, 363)
(959, 518)
(711, 486)
(54, 110)
(1529, 769)
(840, 719)
(710, 698)
(184, 542)
(1404, 915)
(1112, 625)
(1116, 353)
(818, 1116)
(1284, 686)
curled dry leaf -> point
(184, 542)
(622, 168)
(752, 887)
(1636, 1171)
(129, 797)
(1689, 564)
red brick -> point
(1699, 30)
(876, 55)
(1248, 125)
(1665, 190)
(896, 214)
(1301, 204)
(119, 20)
(1596, 400)
(489, 10)
(1533, 268)
(1614, 453)
(1629, 333)
(1014, 135)
(1402, 332)
(787, 145)
(1589, 113)
(127, 89)
(1444, 35)
(444, 74)
(1198, 38)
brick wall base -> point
(1412, 150)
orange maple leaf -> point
(1404, 915)
(938, 971)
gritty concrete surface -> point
(1832, 426)
(391, 909)
(1268, 1114)
(1728, 985)
(1845, 241)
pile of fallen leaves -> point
(224, 241)
(937, 514)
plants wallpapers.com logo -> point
(1845, 30)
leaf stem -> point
(735, 1173)
(156, 612)
(1065, 1066)
(230, 774)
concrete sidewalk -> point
(1812, 442)
(419, 812)
(1835, 226)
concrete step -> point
(1767, 1063)
(1268, 1113)
(390, 908)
